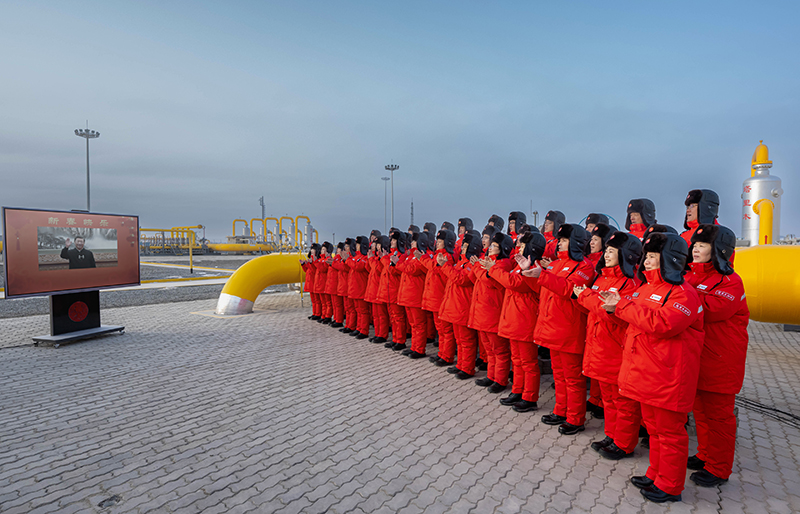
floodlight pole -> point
(385, 228)
(87, 134)
(392, 168)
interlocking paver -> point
(272, 413)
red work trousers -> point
(525, 356)
(431, 324)
(622, 417)
(669, 447)
(316, 304)
(327, 305)
(351, 313)
(419, 328)
(364, 315)
(467, 342)
(338, 308)
(397, 315)
(716, 431)
(447, 340)
(595, 393)
(380, 316)
(570, 386)
(498, 356)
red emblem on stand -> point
(78, 311)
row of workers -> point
(658, 321)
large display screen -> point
(50, 252)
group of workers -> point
(656, 320)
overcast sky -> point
(203, 107)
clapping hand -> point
(524, 262)
(611, 300)
(578, 290)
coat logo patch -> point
(702, 287)
(725, 295)
(565, 269)
(582, 275)
(682, 308)
(595, 287)
(635, 295)
(612, 289)
(743, 296)
(656, 297)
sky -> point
(487, 107)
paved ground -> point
(273, 413)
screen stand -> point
(75, 316)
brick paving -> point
(273, 413)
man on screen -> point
(79, 257)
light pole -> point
(87, 134)
(392, 168)
(385, 228)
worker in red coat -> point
(518, 320)
(641, 214)
(433, 295)
(561, 326)
(593, 219)
(380, 315)
(357, 287)
(430, 229)
(552, 222)
(321, 282)
(702, 207)
(482, 363)
(605, 334)
(464, 226)
(412, 285)
(486, 308)
(456, 304)
(332, 287)
(661, 359)
(343, 288)
(600, 233)
(724, 352)
(515, 220)
(397, 313)
(310, 269)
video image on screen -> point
(76, 248)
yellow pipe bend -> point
(764, 208)
(247, 282)
(771, 282)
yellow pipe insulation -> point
(244, 286)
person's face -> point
(491, 223)
(611, 257)
(410, 232)
(461, 230)
(494, 249)
(652, 261)
(373, 238)
(440, 244)
(636, 217)
(394, 244)
(324, 252)
(378, 248)
(590, 227)
(414, 245)
(373, 246)
(563, 244)
(486, 240)
(701, 252)
(512, 225)
(464, 249)
(358, 247)
(548, 226)
(339, 251)
(691, 212)
(79, 242)
(595, 244)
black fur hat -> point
(535, 244)
(423, 241)
(429, 227)
(466, 223)
(630, 252)
(340, 245)
(497, 221)
(674, 255)
(658, 228)
(375, 233)
(363, 241)
(350, 243)
(413, 229)
(472, 242)
(401, 238)
(490, 231)
(558, 219)
(505, 243)
(596, 218)
(578, 238)
(527, 228)
(722, 241)
(707, 206)
(385, 242)
(519, 219)
(449, 238)
(328, 247)
(446, 225)
(645, 207)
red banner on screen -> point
(49, 252)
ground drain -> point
(109, 502)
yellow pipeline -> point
(234, 247)
(244, 286)
(246, 226)
(764, 208)
(280, 224)
(263, 227)
(297, 229)
(277, 225)
(771, 281)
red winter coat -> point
(344, 276)
(435, 281)
(390, 278)
(320, 275)
(562, 323)
(520, 310)
(725, 319)
(332, 284)
(457, 293)
(487, 297)
(310, 270)
(594, 258)
(412, 282)
(661, 359)
(359, 275)
(605, 333)
(637, 229)
(551, 248)
(375, 269)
